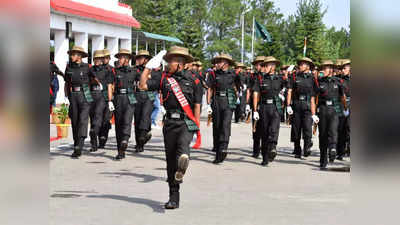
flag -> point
(262, 32)
(305, 47)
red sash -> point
(176, 89)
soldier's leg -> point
(341, 142)
(170, 143)
(118, 114)
(83, 115)
(183, 151)
(97, 122)
(137, 116)
(257, 134)
(73, 115)
(323, 137)
(144, 125)
(347, 135)
(105, 127)
(273, 134)
(126, 126)
(215, 125)
(263, 123)
(296, 131)
(333, 134)
(225, 132)
(307, 126)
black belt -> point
(326, 102)
(95, 88)
(121, 91)
(267, 101)
(76, 89)
(221, 93)
(302, 98)
(175, 115)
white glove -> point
(291, 67)
(156, 60)
(238, 101)
(101, 87)
(111, 106)
(346, 113)
(244, 87)
(315, 118)
(282, 97)
(163, 111)
(248, 109)
(209, 109)
(256, 116)
(289, 110)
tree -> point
(309, 24)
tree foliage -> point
(209, 27)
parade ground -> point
(98, 190)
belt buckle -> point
(122, 91)
(96, 88)
(222, 94)
(270, 101)
(77, 88)
(329, 103)
(175, 116)
(302, 97)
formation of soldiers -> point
(303, 96)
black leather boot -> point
(297, 150)
(93, 142)
(332, 155)
(307, 148)
(173, 202)
(121, 150)
(256, 149)
(264, 154)
(217, 157)
(272, 153)
(78, 149)
(102, 141)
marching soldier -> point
(182, 94)
(301, 96)
(343, 146)
(222, 95)
(330, 101)
(145, 103)
(78, 92)
(268, 108)
(124, 101)
(106, 125)
(284, 73)
(256, 127)
(100, 80)
(242, 86)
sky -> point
(338, 13)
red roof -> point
(83, 10)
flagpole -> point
(305, 47)
(242, 35)
(252, 41)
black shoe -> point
(224, 153)
(173, 202)
(307, 149)
(272, 155)
(339, 157)
(93, 142)
(323, 166)
(102, 142)
(217, 159)
(264, 163)
(256, 154)
(307, 152)
(183, 163)
(214, 150)
(332, 155)
(297, 156)
(76, 154)
(139, 148)
(147, 138)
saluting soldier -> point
(331, 102)
(268, 108)
(301, 96)
(78, 91)
(241, 87)
(343, 146)
(124, 101)
(100, 80)
(256, 127)
(221, 100)
(106, 124)
(145, 103)
(182, 96)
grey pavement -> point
(97, 190)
